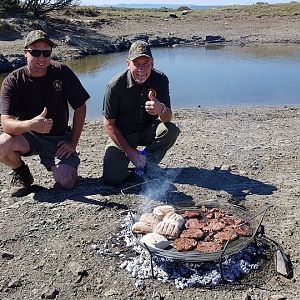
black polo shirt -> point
(124, 100)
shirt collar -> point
(131, 83)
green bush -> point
(7, 6)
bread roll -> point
(162, 210)
(170, 230)
(173, 217)
(142, 228)
(150, 218)
(155, 240)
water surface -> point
(206, 76)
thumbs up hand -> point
(40, 123)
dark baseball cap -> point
(138, 49)
(38, 35)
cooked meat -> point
(195, 223)
(210, 215)
(193, 233)
(191, 214)
(243, 230)
(185, 244)
(214, 225)
(228, 220)
(228, 234)
(208, 247)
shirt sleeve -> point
(111, 101)
(9, 96)
(73, 89)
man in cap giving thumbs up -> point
(35, 101)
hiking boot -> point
(20, 183)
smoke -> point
(156, 190)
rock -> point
(5, 66)
(225, 168)
(7, 255)
(283, 264)
(49, 293)
(77, 269)
(277, 297)
(14, 283)
(214, 39)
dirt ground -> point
(48, 238)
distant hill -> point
(172, 6)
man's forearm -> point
(118, 138)
(14, 126)
(78, 123)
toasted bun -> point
(155, 240)
(162, 210)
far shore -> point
(114, 30)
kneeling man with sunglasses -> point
(35, 101)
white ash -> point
(186, 274)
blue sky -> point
(180, 2)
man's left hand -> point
(65, 149)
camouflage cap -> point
(38, 35)
(139, 48)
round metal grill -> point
(230, 248)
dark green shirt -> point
(124, 100)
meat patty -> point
(243, 231)
(195, 223)
(208, 247)
(184, 244)
(214, 225)
(228, 234)
(191, 214)
(193, 233)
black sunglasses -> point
(37, 53)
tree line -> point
(37, 8)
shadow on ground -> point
(237, 186)
(161, 188)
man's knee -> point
(115, 166)
(5, 145)
(173, 130)
(11, 144)
(168, 132)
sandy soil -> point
(45, 233)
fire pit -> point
(229, 251)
